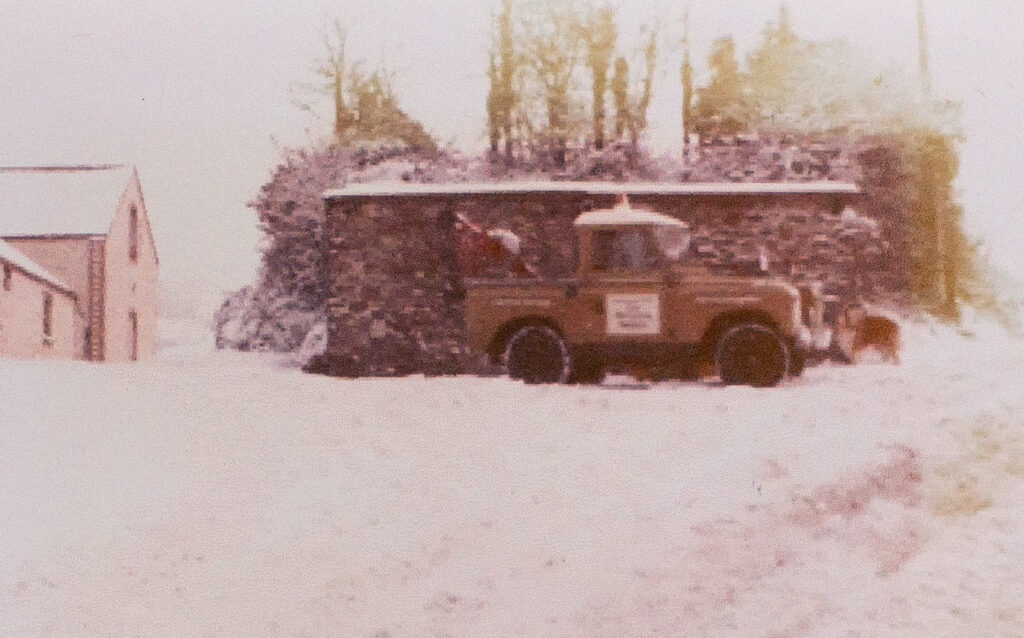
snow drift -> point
(220, 494)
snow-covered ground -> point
(222, 494)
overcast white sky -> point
(198, 94)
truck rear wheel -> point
(538, 354)
(751, 354)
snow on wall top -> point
(60, 200)
(15, 258)
(390, 189)
(624, 214)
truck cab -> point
(634, 304)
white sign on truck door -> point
(632, 314)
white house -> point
(88, 228)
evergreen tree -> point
(377, 115)
(721, 105)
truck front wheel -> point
(751, 354)
(538, 354)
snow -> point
(624, 214)
(72, 200)
(221, 493)
(19, 260)
(401, 188)
(509, 240)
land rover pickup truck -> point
(633, 305)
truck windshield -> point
(625, 249)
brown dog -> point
(863, 328)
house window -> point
(7, 276)
(133, 235)
(47, 318)
(133, 324)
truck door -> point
(621, 299)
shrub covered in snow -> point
(277, 311)
(286, 301)
(264, 318)
(869, 254)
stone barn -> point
(394, 290)
(88, 227)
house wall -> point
(130, 286)
(68, 260)
(21, 320)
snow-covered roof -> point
(392, 189)
(17, 259)
(624, 214)
(60, 200)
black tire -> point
(751, 354)
(538, 354)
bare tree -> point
(365, 106)
(638, 115)
(631, 102)
(493, 104)
(332, 72)
(332, 68)
(686, 77)
(620, 95)
(502, 70)
(599, 34)
(553, 39)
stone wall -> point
(394, 291)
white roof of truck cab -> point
(625, 215)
